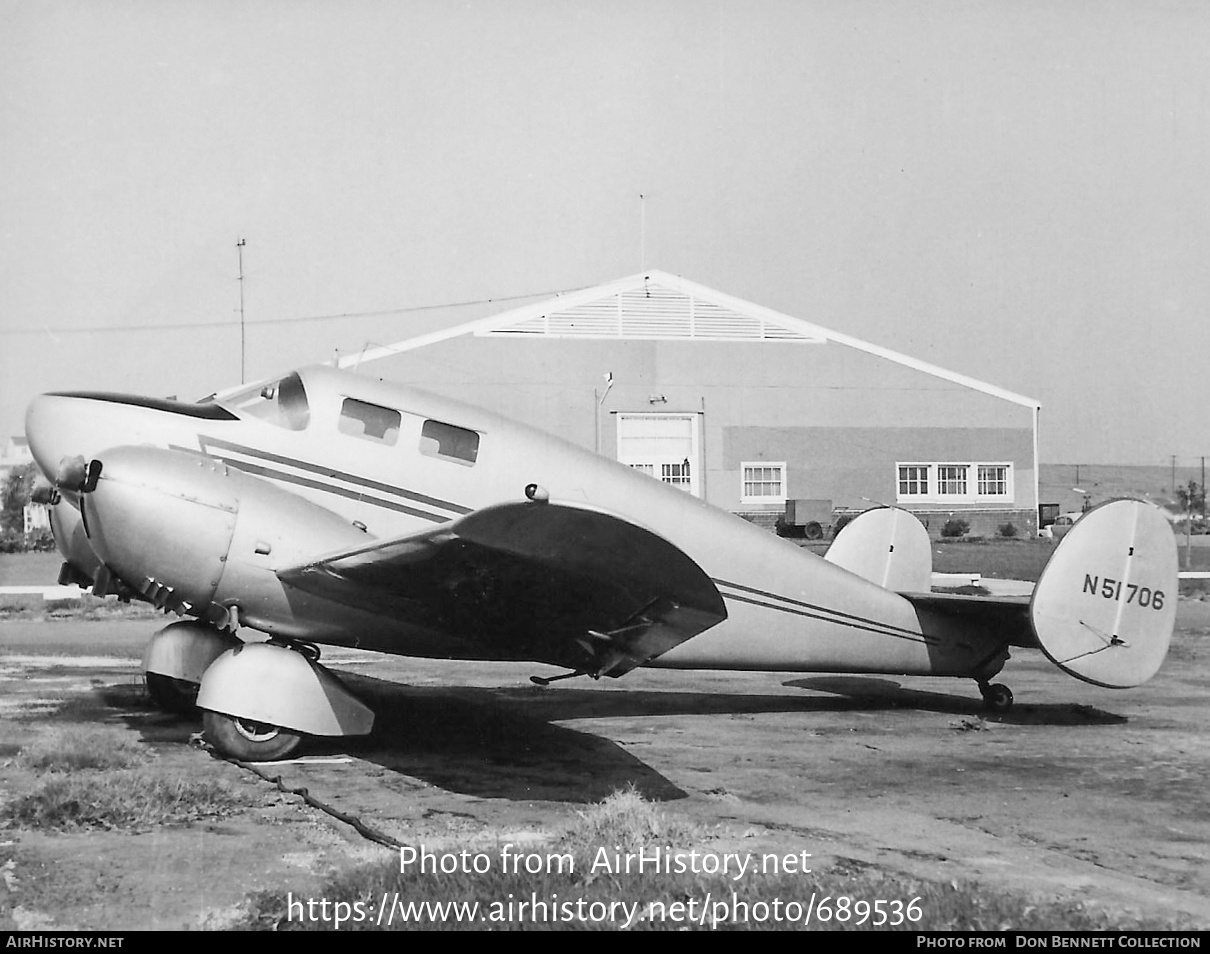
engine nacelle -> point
(194, 535)
(72, 542)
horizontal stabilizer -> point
(1105, 605)
(887, 546)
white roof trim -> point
(768, 316)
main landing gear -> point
(178, 696)
(248, 741)
(996, 698)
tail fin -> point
(1105, 605)
(887, 546)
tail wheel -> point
(247, 740)
(997, 698)
(172, 695)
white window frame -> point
(1009, 494)
(746, 498)
(954, 474)
(902, 495)
(971, 494)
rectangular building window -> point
(954, 483)
(676, 474)
(951, 480)
(764, 482)
(993, 480)
(913, 480)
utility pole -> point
(239, 249)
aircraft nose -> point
(51, 422)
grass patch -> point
(625, 821)
(555, 893)
(127, 800)
(80, 749)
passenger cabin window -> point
(374, 423)
(283, 403)
(448, 442)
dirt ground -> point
(1079, 793)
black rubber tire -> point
(813, 531)
(248, 741)
(997, 698)
(171, 694)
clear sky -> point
(1018, 191)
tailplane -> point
(1105, 605)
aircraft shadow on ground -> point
(506, 742)
(875, 693)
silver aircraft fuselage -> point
(394, 460)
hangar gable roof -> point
(654, 305)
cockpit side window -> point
(283, 403)
(374, 423)
(449, 442)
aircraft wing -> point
(551, 582)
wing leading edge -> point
(550, 582)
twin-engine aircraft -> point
(332, 508)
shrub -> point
(955, 528)
(1008, 530)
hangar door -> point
(665, 446)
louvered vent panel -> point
(654, 312)
(780, 333)
(597, 319)
(711, 321)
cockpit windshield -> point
(283, 403)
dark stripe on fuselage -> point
(351, 494)
(763, 598)
(208, 412)
(207, 442)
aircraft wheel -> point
(997, 698)
(246, 740)
(172, 695)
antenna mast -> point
(642, 232)
(239, 249)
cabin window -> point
(369, 421)
(448, 442)
(283, 403)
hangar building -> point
(741, 405)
